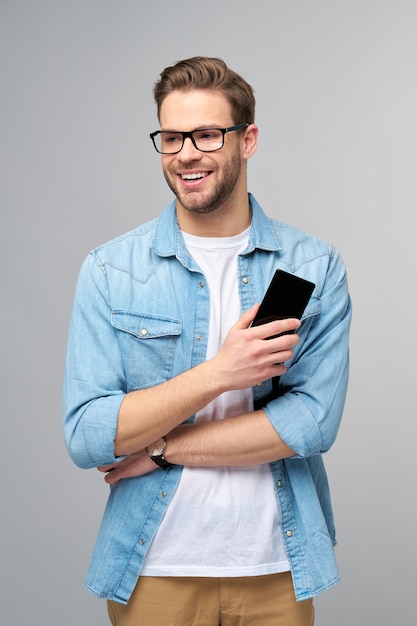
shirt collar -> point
(168, 240)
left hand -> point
(135, 464)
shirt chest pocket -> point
(148, 346)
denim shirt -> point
(140, 317)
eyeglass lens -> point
(206, 140)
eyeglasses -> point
(204, 139)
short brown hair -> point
(208, 73)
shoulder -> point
(298, 242)
(126, 243)
(293, 245)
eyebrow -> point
(206, 127)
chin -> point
(200, 209)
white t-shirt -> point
(221, 521)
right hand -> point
(247, 357)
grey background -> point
(337, 100)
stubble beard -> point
(203, 203)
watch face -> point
(158, 448)
(157, 453)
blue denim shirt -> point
(140, 317)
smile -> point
(194, 176)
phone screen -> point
(286, 296)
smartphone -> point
(286, 296)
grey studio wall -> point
(337, 100)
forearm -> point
(242, 440)
(147, 414)
(247, 439)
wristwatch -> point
(156, 452)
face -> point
(202, 182)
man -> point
(219, 510)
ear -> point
(250, 141)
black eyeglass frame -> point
(190, 133)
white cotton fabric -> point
(222, 521)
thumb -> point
(247, 317)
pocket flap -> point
(313, 307)
(145, 326)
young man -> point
(219, 510)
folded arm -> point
(302, 421)
(247, 439)
(244, 360)
(104, 422)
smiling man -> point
(219, 510)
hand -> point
(246, 359)
(135, 464)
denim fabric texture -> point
(140, 317)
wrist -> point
(215, 376)
(156, 452)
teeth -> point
(193, 176)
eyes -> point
(171, 138)
(207, 135)
(204, 137)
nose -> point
(189, 152)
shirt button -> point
(163, 494)
(143, 332)
(142, 542)
(289, 533)
(201, 284)
(245, 280)
(279, 483)
(198, 337)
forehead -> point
(198, 108)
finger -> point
(111, 478)
(107, 468)
(278, 327)
(282, 348)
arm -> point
(104, 421)
(303, 421)
(247, 439)
(244, 360)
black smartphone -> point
(286, 296)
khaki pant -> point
(179, 601)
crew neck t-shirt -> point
(221, 521)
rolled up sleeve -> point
(94, 381)
(307, 414)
